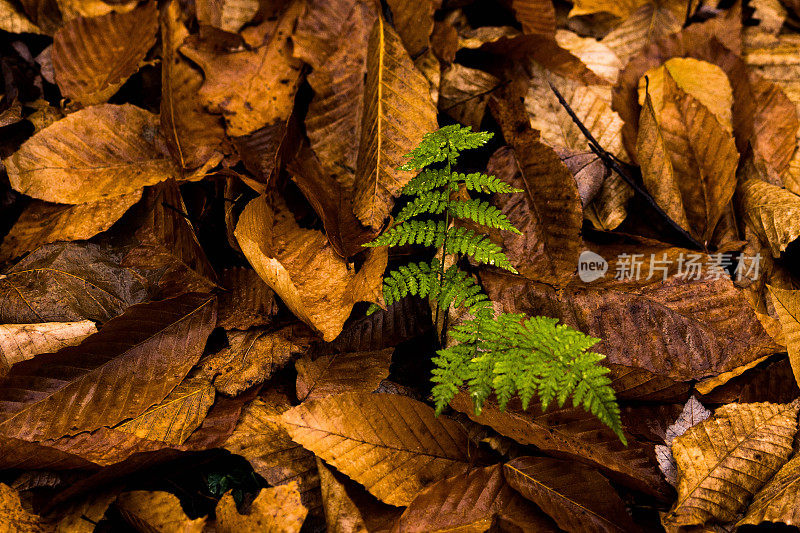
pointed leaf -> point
(337, 373)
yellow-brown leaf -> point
(275, 510)
(156, 511)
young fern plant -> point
(506, 354)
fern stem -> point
(448, 170)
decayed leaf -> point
(156, 511)
(43, 223)
(68, 282)
(725, 460)
(650, 22)
(20, 342)
(365, 437)
(777, 500)
(463, 93)
(338, 373)
(300, 266)
(677, 337)
(398, 110)
(576, 497)
(161, 340)
(99, 152)
(275, 510)
(93, 57)
(227, 15)
(247, 302)
(693, 413)
(14, 518)
(549, 212)
(260, 438)
(772, 211)
(787, 307)
(176, 416)
(253, 356)
(252, 88)
(13, 20)
(574, 433)
(192, 134)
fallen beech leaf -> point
(588, 170)
(227, 15)
(13, 20)
(20, 342)
(787, 307)
(464, 92)
(157, 511)
(176, 416)
(576, 497)
(319, 30)
(392, 463)
(275, 510)
(677, 338)
(338, 373)
(192, 134)
(403, 320)
(549, 212)
(82, 517)
(467, 502)
(413, 21)
(165, 244)
(620, 9)
(572, 433)
(92, 8)
(252, 88)
(93, 57)
(99, 152)
(219, 423)
(43, 223)
(536, 16)
(692, 414)
(310, 278)
(166, 338)
(335, 113)
(398, 110)
(650, 22)
(725, 460)
(66, 282)
(597, 56)
(341, 513)
(247, 302)
(634, 383)
(253, 356)
(14, 518)
(772, 211)
(777, 500)
(260, 438)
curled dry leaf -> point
(68, 282)
(787, 307)
(772, 211)
(165, 338)
(275, 510)
(725, 460)
(252, 88)
(777, 500)
(260, 438)
(578, 498)
(99, 152)
(176, 416)
(398, 110)
(43, 223)
(226, 15)
(341, 372)
(548, 212)
(93, 57)
(13, 516)
(393, 463)
(302, 268)
(20, 342)
(572, 433)
(156, 511)
(192, 134)
(588, 170)
(253, 356)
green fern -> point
(509, 354)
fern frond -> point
(427, 180)
(427, 203)
(482, 213)
(480, 182)
(424, 232)
(444, 144)
(518, 355)
(415, 279)
(459, 289)
(479, 246)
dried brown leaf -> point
(393, 463)
(13, 20)
(156, 511)
(725, 460)
(227, 15)
(247, 300)
(692, 414)
(787, 307)
(275, 510)
(99, 152)
(13, 516)
(164, 338)
(777, 500)
(464, 92)
(93, 57)
(773, 212)
(338, 373)
(20, 342)
(413, 20)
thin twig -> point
(614, 164)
